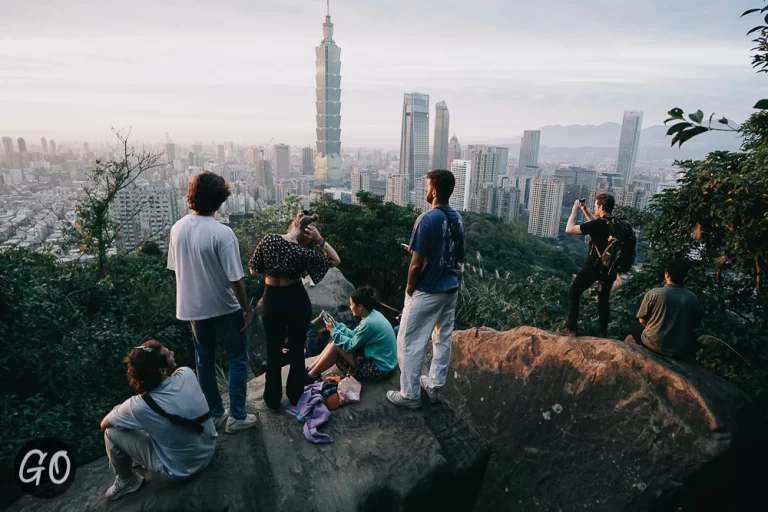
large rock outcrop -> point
(587, 423)
(383, 458)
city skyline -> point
(119, 75)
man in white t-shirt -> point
(210, 293)
(167, 429)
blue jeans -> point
(205, 332)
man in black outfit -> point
(593, 271)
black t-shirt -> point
(598, 237)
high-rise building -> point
(308, 161)
(8, 151)
(414, 139)
(144, 214)
(170, 152)
(282, 160)
(260, 175)
(485, 168)
(191, 159)
(197, 148)
(397, 190)
(508, 203)
(328, 91)
(546, 201)
(529, 153)
(440, 151)
(379, 187)
(454, 150)
(503, 155)
(222, 155)
(585, 177)
(462, 172)
(628, 144)
(419, 195)
(361, 180)
(633, 196)
(22, 145)
(53, 147)
(44, 145)
(23, 160)
(86, 148)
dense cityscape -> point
(41, 182)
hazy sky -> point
(243, 70)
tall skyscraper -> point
(8, 151)
(328, 78)
(629, 143)
(282, 160)
(546, 201)
(503, 154)
(170, 151)
(23, 159)
(22, 145)
(361, 180)
(529, 152)
(44, 145)
(462, 172)
(308, 161)
(144, 214)
(397, 190)
(414, 140)
(222, 156)
(485, 169)
(508, 203)
(53, 147)
(440, 151)
(454, 150)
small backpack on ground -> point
(619, 255)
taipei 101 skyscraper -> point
(328, 102)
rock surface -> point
(383, 458)
(595, 424)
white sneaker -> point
(432, 393)
(235, 425)
(220, 421)
(120, 487)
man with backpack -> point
(166, 429)
(611, 250)
(437, 244)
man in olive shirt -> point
(669, 316)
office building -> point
(528, 164)
(221, 154)
(361, 180)
(503, 155)
(23, 159)
(282, 160)
(629, 144)
(328, 104)
(397, 190)
(144, 214)
(44, 145)
(308, 161)
(379, 187)
(545, 207)
(454, 150)
(484, 163)
(507, 203)
(53, 147)
(170, 152)
(440, 151)
(8, 151)
(419, 195)
(339, 194)
(633, 196)
(462, 170)
(414, 139)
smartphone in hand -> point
(405, 246)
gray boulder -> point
(383, 458)
(597, 424)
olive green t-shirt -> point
(672, 314)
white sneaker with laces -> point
(120, 487)
(220, 421)
(432, 393)
(235, 425)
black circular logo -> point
(45, 467)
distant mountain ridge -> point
(602, 141)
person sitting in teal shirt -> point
(366, 352)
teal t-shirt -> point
(374, 336)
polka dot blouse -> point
(276, 257)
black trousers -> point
(286, 313)
(586, 277)
(636, 329)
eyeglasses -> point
(146, 349)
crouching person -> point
(368, 352)
(166, 429)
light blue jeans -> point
(205, 332)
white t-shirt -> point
(180, 452)
(206, 257)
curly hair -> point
(144, 368)
(206, 192)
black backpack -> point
(619, 255)
(196, 425)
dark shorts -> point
(365, 369)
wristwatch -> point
(321, 243)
